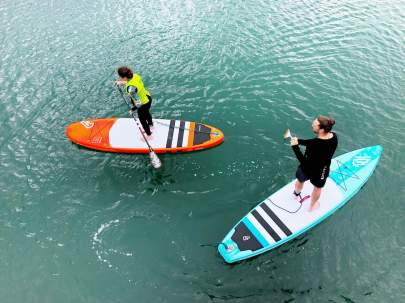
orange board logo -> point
(87, 124)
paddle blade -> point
(287, 134)
(154, 160)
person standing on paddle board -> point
(140, 97)
(315, 162)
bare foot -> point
(314, 206)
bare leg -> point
(316, 193)
(298, 186)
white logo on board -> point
(360, 161)
(97, 139)
(87, 124)
(245, 238)
(230, 247)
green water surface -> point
(78, 225)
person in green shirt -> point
(139, 95)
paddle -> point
(154, 159)
(287, 134)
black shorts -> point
(318, 182)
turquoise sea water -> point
(83, 226)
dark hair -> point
(326, 123)
(125, 72)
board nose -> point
(77, 131)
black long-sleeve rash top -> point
(318, 155)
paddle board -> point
(123, 135)
(281, 217)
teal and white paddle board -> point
(281, 217)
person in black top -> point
(315, 162)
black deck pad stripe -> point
(181, 134)
(170, 134)
(266, 226)
(201, 134)
(276, 219)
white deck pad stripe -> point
(186, 133)
(176, 133)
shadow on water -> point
(230, 297)
(263, 294)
